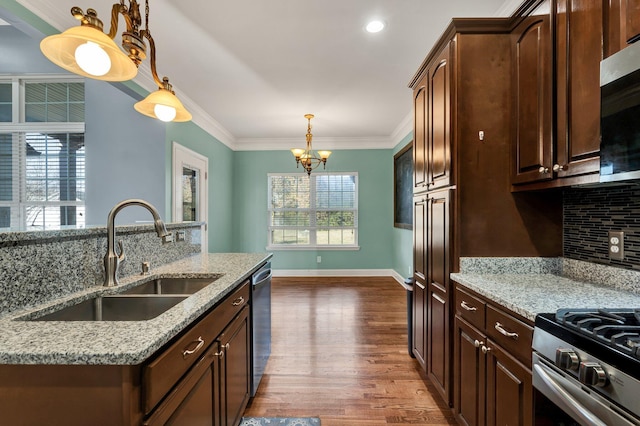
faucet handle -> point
(121, 256)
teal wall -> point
(221, 185)
(402, 239)
(375, 208)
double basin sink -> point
(140, 303)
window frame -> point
(313, 245)
(18, 128)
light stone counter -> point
(545, 288)
(121, 342)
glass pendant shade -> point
(105, 61)
(161, 104)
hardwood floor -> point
(339, 352)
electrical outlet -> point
(319, 259)
(616, 245)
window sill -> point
(314, 248)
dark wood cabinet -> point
(439, 120)
(438, 291)
(622, 24)
(419, 311)
(467, 209)
(492, 384)
(532, 55)
(469, 373)
(509, 389)
(235, 369)
(563, 148)
(420, 131)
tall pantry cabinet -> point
(463, 205)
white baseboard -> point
(339, 273)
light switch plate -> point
(616, 245)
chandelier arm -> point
(116, 10)
(152, 54)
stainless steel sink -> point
(115, 308)
(172, 286)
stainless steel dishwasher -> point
(260, 323)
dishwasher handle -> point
(262, 276)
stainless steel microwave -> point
(620, 115)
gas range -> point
(587, 361)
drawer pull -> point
(506, 333)
(199, 346)
(239, 301)
(467, 307)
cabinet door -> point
(439, 123)
(532, 99)
(194, 400)
(509, 389)
(632, 20)
(579, 50)
(469, 374)
(420, 322)
(235, 369)
(438, 293)
(419, 319)
(420, 136)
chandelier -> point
(87, 51)
(306, 157)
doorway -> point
(190, 189)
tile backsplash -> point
(590, 213)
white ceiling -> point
(249, 70)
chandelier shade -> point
(63, 49)
(307, 158)
(163, 105)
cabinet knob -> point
(485, 349)
(477, 343)
(543, 170)
(558, 168)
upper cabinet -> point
(623, 25)
(532, 57)
(561, 148)
(432, 125)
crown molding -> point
(404, 128)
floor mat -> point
(280, 421)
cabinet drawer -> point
(512, 334)
(471, 308)
(161, 374)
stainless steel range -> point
(586, 362)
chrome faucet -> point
(112, 260)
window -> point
(42, 155)
(317, 211)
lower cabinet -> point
(492, 374)
(216, 389)
(202, 377)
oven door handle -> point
(572, 404)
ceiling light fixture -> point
(87, 51)
(375, 26)
(306, 157)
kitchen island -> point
(135, 372)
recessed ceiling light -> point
(375, 26)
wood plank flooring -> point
(339, 352)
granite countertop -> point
(121, 342)
(533, 293)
